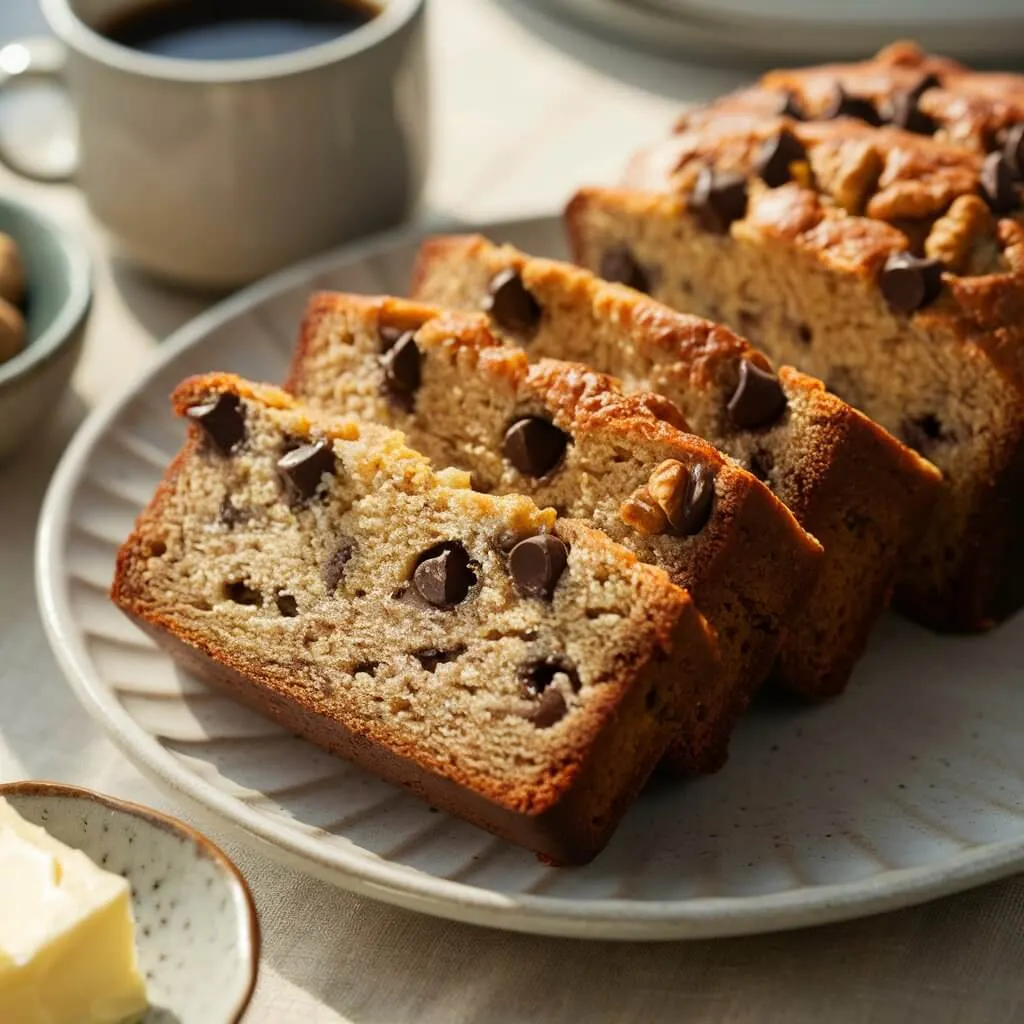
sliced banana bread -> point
(861, 493)
(888, 263)
(567, 437)
(518, 670)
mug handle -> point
(41, 59)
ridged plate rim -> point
(364, 872)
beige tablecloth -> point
(526, 109)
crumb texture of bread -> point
(616, 462)
(326, 575)
(860, 492)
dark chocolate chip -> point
(443, 576)
(758, 400)
(1013, 150)
(223, 419)
(536, 676)
(431, 657)
(718, 199)
(537, 564)
(906, 114)
(534, 445)
(997, 184)
(619, 264)
(921, 433)
(790, 106)
(366, 667)
(842, 104)
(910, 282)
(775, 156)
(511, 304)
(551, 708)
(692, 515)
(402, 373)
(241, 593)
(804, 333)
(334, 570)
(302, 469)
(287, 605)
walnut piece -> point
(667, 486)
(642, 513)
(964, 238)
(853, 176)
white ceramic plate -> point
(802, 31)
(909, 787)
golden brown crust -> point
(748, 568)
(569, 815)
(694, 361)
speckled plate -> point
(909, 787)
(196, 928)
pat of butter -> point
(67, 937)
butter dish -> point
(196, 929)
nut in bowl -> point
(196, 930)
(45, 294)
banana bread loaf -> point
(518, 670)
(567, 437)
(857, 490)
(890, 264)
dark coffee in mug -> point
(234, 29)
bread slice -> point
(567, 437)
(890, 264)
(849, 484)
(517, 669)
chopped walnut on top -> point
(964, 239)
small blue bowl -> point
(58, 274)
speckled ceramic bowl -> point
(59, 277)
(197, 930)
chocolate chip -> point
(534, 446)
(910, 282)
(402, 373)
(718, 199)
(537, 564)
(775, 156)
(692, 514)
(758, 400)
(287, 605)
(430, 657)
(334, 569)
(223, 419)
(511, 304)
(842, 104)
(536, 676)
(365, 667)
(619, 264)
(551, 708)
(302, 469)
(241, 593)
(442, 576)
(1013, 150)
(906, 114)
(997, 184)
(790, 106)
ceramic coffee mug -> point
(214, 173)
